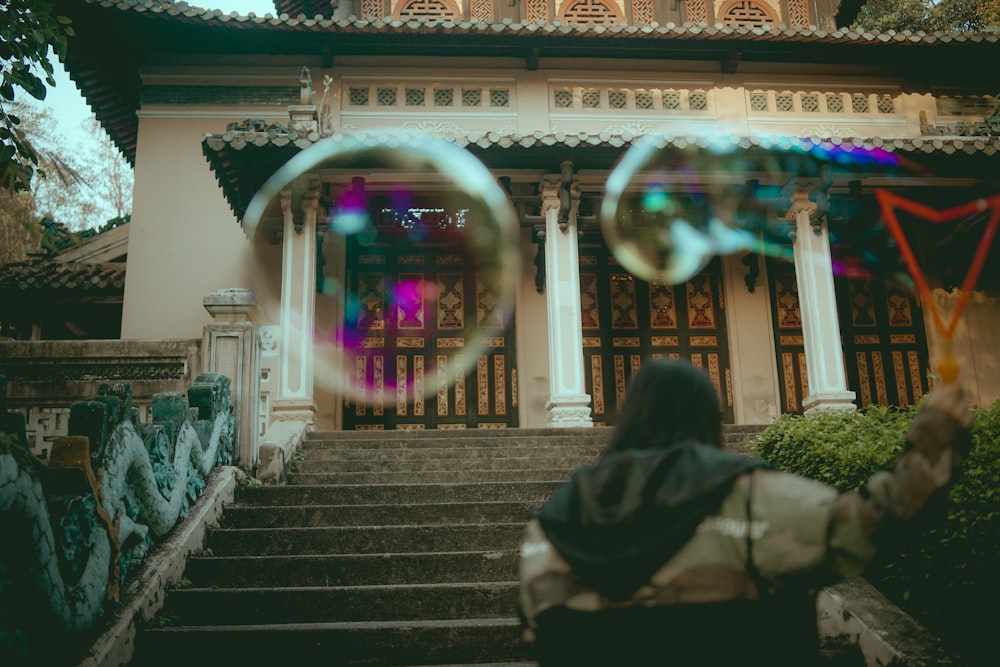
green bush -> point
(946, 574)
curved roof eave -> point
(114, 38)
(243, 160)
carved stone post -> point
(230, 346)
(298, 306)
(569, 405)
(818, 304)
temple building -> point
(550, 95)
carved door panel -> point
(435, 294)
(885, 345)
(627, 320)
(882, 333)
(788, 341)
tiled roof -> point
(243, 161)
(184, 12)
(49, 276)
(115, 37)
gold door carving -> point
(416, 340)
(627, 320)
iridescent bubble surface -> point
(418, 256)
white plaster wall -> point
(756, 392)
(184, 241)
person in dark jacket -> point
(671, 551)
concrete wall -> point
(184, 241)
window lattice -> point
(431, 9)
(386, 97)
(372, 9)
(564, 99)
(415, 97)
(784, 102)
(499, 97)
(810, 103)
(885, 104)
(798, 14)
(537, 10)
(759, 102)
(472, 97)
(482, 9)
(859, 103)
(590, 11)
(617, 99)
(747, 13)
(444, 97)
(696, 11)
(834, 103)
(698, 101)
(671, 99)
(358, 97)
(591, 99)
(643, 99)
(642, 12)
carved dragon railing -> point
(69, 535)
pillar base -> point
(569, 412)
(294, 411)
(833, 400)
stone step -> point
(441, 453)
(386, 515)
(351, 569)
(364, 539)
(430, 476)
(601, 432)
(396, 441)
(336, 604)
(406, 494)
(390, 643)
(310, 465)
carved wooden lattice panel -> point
(372, 9)
(537, 10)
(589, 11)
(747, 13)
(798, 14)
(482, 9)
(437, 9)
(627, 321)
(696, 11)
(642, 12)
(418, 305)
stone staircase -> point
(384, 548)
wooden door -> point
(627, 320)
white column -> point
(298, 305)
(818, 305)
(568, 405)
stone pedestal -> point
(230, 346)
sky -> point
(69, 107)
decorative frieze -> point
(595, 97)
(423, 96)
(816, 102)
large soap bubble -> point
(675, 202)
(417, 269)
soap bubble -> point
(673, 203)
(417, 268)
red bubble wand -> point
(889, 203)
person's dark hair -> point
(668, 402)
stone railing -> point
(47, 377)
(73, 529)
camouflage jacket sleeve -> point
(795, 532)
